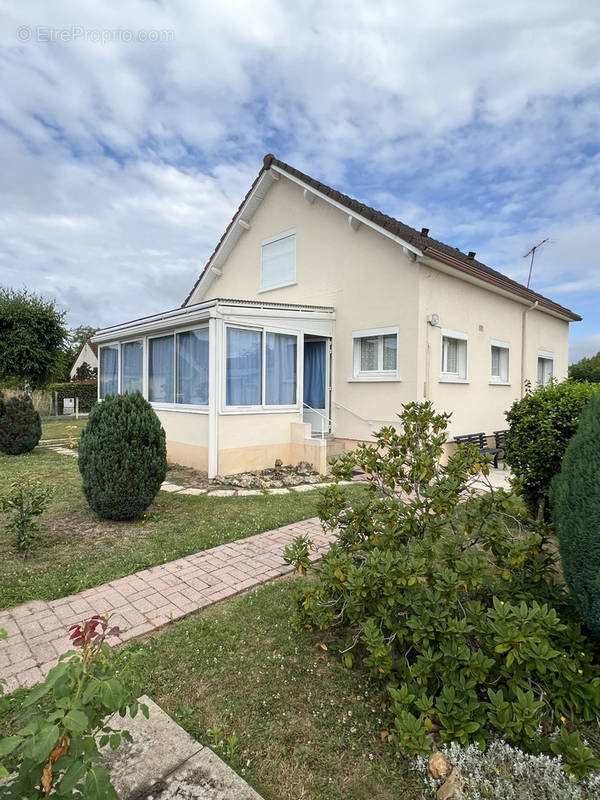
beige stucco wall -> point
(364, 275)
(371, 283)
(483, 316)
(187, 437)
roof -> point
(421, 240)
(166, 318)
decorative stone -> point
(438, 765)
(171, 487)
(222, 493)
(193, 491)
(452, 788)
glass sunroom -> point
(236, 384)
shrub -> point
(27, 498)
(587, 369)
(86, 391)
(575, 496)
(56, 751)
(20, 425)
(122, 457)
(447, 596)
(541, 424)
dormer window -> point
(278, 261)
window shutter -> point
(279, 262)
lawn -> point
(78, 550)
(62, 428)
(304, 726)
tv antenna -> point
(532, 254)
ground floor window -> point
(192, 367)
(454, 356)
(108, 373)
(545, 368)
(161, 369)
(250, 353)
(499, 362)
(375, 353)
(132, 367)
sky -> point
(130, 131)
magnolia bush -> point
(447, 595)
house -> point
(87, 355)
(314, 319)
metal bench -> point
(480, 441)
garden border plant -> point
(56, 751)
(447, 596)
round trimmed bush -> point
(575, 498)
(122, 456)
(20, 425)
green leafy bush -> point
(122, 457)
(26, 499)
(541, 425)
(64, 723)
(447, 596)
(587, 369)
(20, 425)
(575, 496)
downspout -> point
(524, 343)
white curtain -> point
(244, 367)
(132, 358)
(109, 366)
(192, 367)
(161, 382)
(281, 370)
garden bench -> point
(480, 441)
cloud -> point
(584, 347)
(124, 161)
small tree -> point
(85, 373)
(32, 337)
(26, 499)
(20, 425)
(575, 497)
(541, 425)
(122, 457)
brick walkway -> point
(147, 600)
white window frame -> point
(164, 405)
(454, 377)
(129, 341)
(270, 240)
(262, 407)
(497, 380)
(547, 355)
(116, 344)
(379, 374)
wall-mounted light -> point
(433, 319)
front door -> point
(316, 392)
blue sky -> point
(123, 158)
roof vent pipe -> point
(424, 231)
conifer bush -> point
(575, 497)
(122, 457)
(20, 425)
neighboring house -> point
(87, 355)
(340, 314)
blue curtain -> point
(314, 374)
(132, 357)
(281, 370)
(244, 367)
(192, 367)
(161, 382)
(109, 365)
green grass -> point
(62, 428)
(78, 550)
(305, 726)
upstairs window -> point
(499, 355)
(545, 367)
(454, 356)
(376, 353)
(278, 261)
